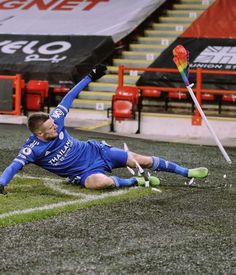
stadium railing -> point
(220, 96)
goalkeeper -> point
(51, 147)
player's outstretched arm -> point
(8, 174)
(97, 72)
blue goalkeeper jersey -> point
(64, 155)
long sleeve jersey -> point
(65, 156)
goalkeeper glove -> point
(2, 191)
(97, 72)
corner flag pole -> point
(181, 60)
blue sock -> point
(119, 182)
(160, 164)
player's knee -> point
(143, 161)
(99, 181)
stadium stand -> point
(144, 46)
(137, 47)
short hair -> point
(35, 120)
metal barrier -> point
(198, 90)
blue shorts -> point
(111, 157)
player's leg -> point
(98, 181)
(160, 164)
(119, 158)
(101, 181)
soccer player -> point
(51, 147)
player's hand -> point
(2, 190)
(98, 71)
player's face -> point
(48, 130)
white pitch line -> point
(54, 184)
(85, 198)
(56, 187)
(38, 178)
(45, 207)
(61, 204)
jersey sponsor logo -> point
(61, 155)
(57, 113)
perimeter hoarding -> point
(52, 57)
(63, 39)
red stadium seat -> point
(148, 98)
(229, 98)
(211, 99)
(129, 92)
(122, 109)
(38, 86)
(61, 90)
(36, 93)
(33, 102)
(208, 97)
(124, 104)
(177, 95)
(150, 93)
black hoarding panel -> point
(53, 58)
(212, 54)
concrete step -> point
(113, 78)
(162, 33)
(86, 119)
(139, 63)
(165, 41)
(151, 55)
(184, 13)
(176, 20)
(102, 86)
(98, 95)
(170, 26)
(91, 104)
(114, 70)
(190, 6)
(147, 48)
